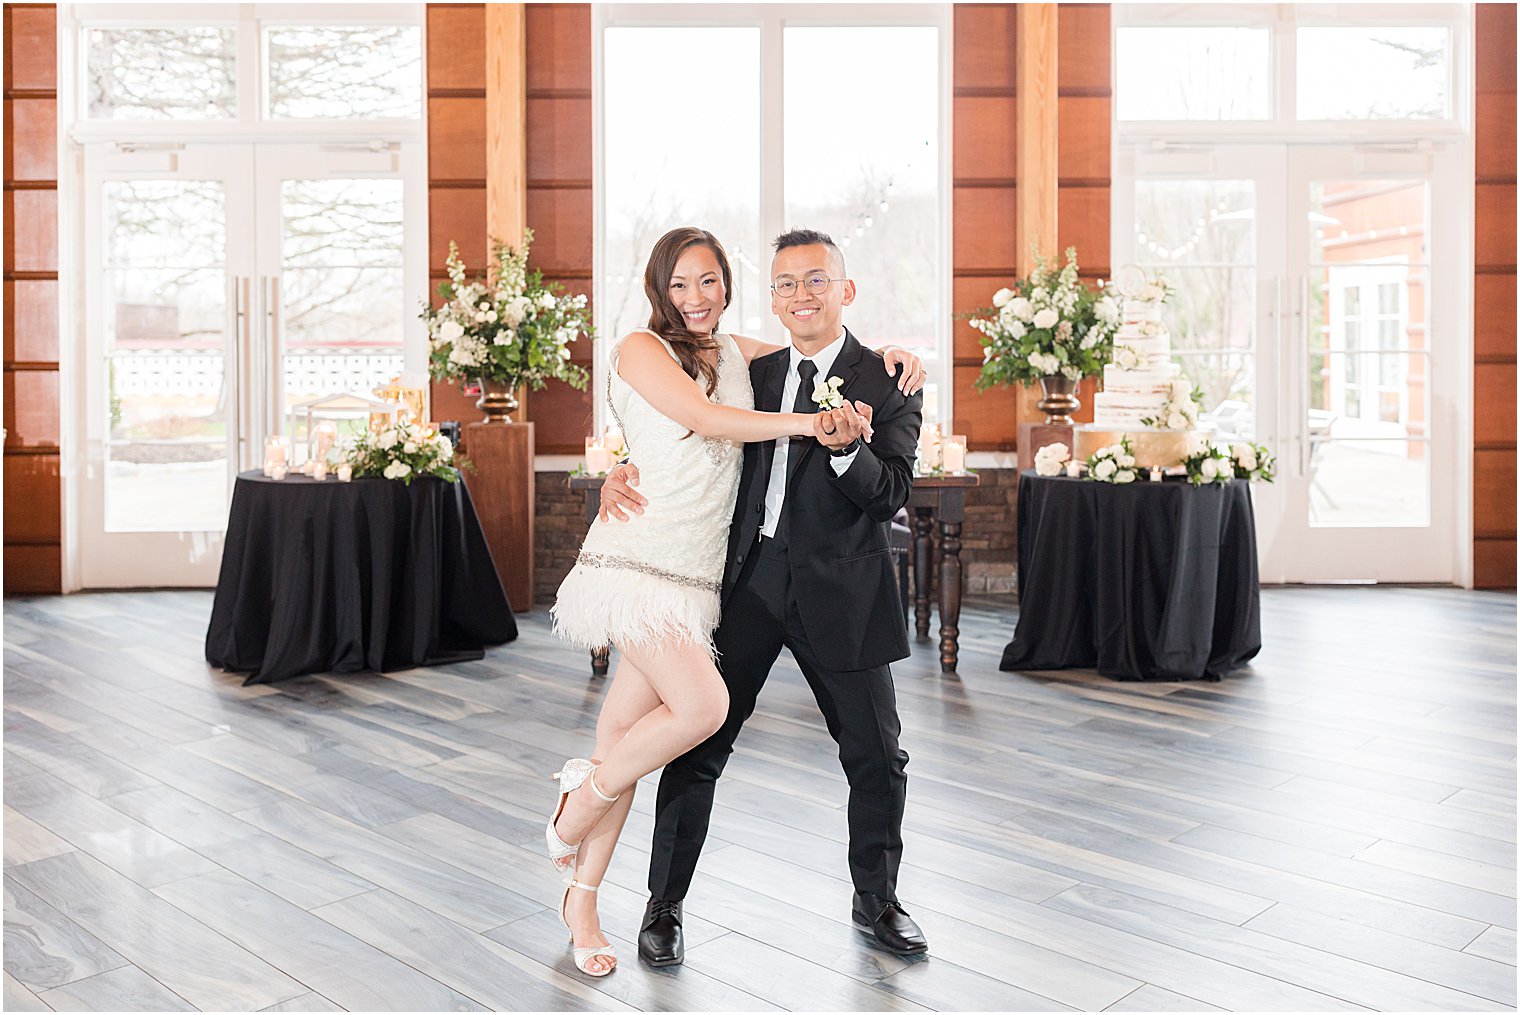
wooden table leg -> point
(599, 660)
(923, 560)
(952, 513)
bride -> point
(680, 391)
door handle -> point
(237, 385)
(1302, 357)
(273, 376)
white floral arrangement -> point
(1113, 464)
(826, 394)
(1051, 459)
(1207, 462)
(1047, 324)
(508, 325)
(1127, 357)
(1181, 409)
(1253, 462)
(402, 451)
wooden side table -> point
(942, 498)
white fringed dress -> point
(657, 577)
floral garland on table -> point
(1051, 459)
(1253, 462)
(1046, 324)
(1181, 409)
(403, 451)
(1207, 462)
(507, 325)
(1113, 464)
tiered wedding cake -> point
(1145, 397)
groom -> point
(809, 568)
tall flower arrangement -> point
(506, 325)
(1047, 324)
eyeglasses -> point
(815, 284)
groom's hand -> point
(838, 428)
(619, 498)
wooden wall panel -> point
(32, 516)
(559, 140)
(1083, 56)
(31, 321)
(984, 45)
(458, 215)
(985, 233)
(1494, 134)
(1493, 494)
(1082, 222)
(33, 504)
(31, 52)
(1494, 396)
(1494, 299)
(33, 151)
(560, 206)
(1084, 142)
(457, 140)
(31, 230)
(32, 415)
(456, 47)
(1494, 318)
(970, 293)
(984, 138)
(32, 569)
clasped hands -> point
(838, 428)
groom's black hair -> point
(807, 238)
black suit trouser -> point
(859, 707)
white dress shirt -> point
(775, 490)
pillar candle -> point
(345, 472)
(955, 456)
(1074, 469)
(319, 471)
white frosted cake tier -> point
(1123, 409)
(1142, 331)
(1155, 378)
(1142, 310)
(1159, 449)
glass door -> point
(234, 281)
(1369, 466)
(1306, 318)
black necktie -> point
(806, 371)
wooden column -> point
(1035, 161)
(502, 481)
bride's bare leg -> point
(628, 700)
(693, 704)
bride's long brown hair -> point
(665, 319)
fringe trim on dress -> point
(607, 602)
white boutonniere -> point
(826, 393)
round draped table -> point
(1146, 581)
(372, 575)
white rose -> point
(1063, 331)
(396, 470)
(504, 336)
(1105, 468)
(1128, 461)
(1046, 318)
(1106, 310)
(1180, 390)
(445, 449)
(450, 331)
(387, 440)
(410, 447)
(1125, 477)
(1001, 297)
(1021, 308)
(491, 316)
(1176, 421)
(1016, 329)
(564, 352)
(546, 300)
(480, 316)
(1245, 455)
(1209, 468)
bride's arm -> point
(909, 381)
(643, 362)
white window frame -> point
(1283, 21)
(771, 19)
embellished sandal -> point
(574, 772)
(583, 956)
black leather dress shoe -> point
(660, 940)
(888, 922)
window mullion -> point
(772, 145)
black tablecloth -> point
(1147, 581)
(372, 575)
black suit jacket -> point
(842, 576)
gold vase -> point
(1060, 399)
(498, 400)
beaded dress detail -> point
(657, 577)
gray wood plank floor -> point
(1333, 828)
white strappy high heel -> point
(574, 772)
(583, 956)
